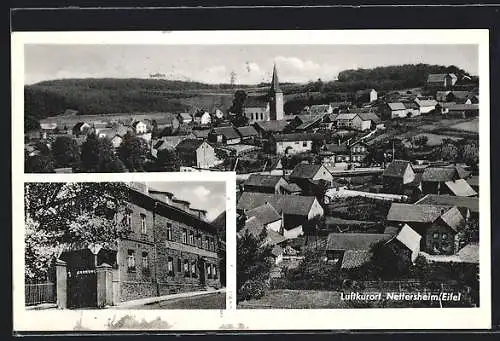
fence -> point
(37, 293)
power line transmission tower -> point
(233, 78)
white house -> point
(140, 127)
(205, 118)
(427, 105)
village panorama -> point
(360, 192)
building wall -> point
(365, 125)
(427, 109)
(257, 116)
(295, 147)
(408, 176)
(293, 233)
(439, 240)
(323, 174)
(392, 185)
(373, 96)
(399, 113)
(276, 107)
(233, 141)
(275, 226)
(315, 210)
(205, 156)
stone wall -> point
(136, 290)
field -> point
(436, 140)
(470, 126)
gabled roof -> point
(346, 116)
(166, 119)
(200, 133)
(426, 102)
(247, 131)
(319, 109)
(461, 94)
(288, 204)
(354, 241)
(410, 238)
(305, 171)
(227, 132)
(396, 168)
(338, 149)
(453, 218)
(295, 137)
(354, 259)
(473, 180)
(439, 77)
(369, 116)
(292, 187)
(263, 180)
(460, 107)
(469, 253)
(439, 174)
(308, 124)
(185, 116)
(272, 126)
(189, 145)
(396, 106)
(450, 200)
(410, 213)
(460, 188)
(253, 226)
(275, 84)
(265, 213)
(167, 142)
(274, 237)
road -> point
(215, 300)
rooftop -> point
(410, 213)
(354, 241)
(288, 204)
(450, 200)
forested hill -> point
(104, 96)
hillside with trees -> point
(107, 95)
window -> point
(179, 265)
(191, 238)
(261, 115)
(212, 246)
(198, 240)
(145, 260)
(193, 268)
(143, 224)
(186, 268)
(170, 266)
(214, 270)
(296, 142)
(435, 235)
(209, 271)
(131, 260)
(304, 144)
(205, 243)
(169, 231)
(184, 236)
(444, 236)
(127, 219)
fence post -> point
(104, 285)
(61, 284)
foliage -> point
(98, 155)
(470, 154)
(39, 164)
(253, 259)
(448, 151)
(133, 152)
(66, 152)
(385, 263)
(168, 161)
(420, 141)
(69, 215)
(251, 289)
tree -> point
(65, 151)
(168, 161)
(239, 99)
(97, 155)
(253, 259)
(449, 152)
(133, 152)
(39, 164)
(62, 216)
(420, 141)
(470, 154)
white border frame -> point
(422, 318)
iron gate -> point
(82, 289)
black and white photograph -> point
(355, 159)
(158, 245)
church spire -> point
(275, 85)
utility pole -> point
(232, 79)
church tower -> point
(275, 98)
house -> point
(268, 216)
(256, 110)
(81, 128)
(255, 228)
(393, 110)
(460, 97)
(469, 253)
(224, 135)
(247, 133)
(320, 109)
(167, 250)
(335, 153)
(165, 142)
(406, 243)
(165, 125)
(412, 108)
(140, 127)
(310, 124)
(352, 250)
(426, 105)
(458, 110)
(218, 114)
(289, 144)
(438, 225)
(199, 134)
(473, 182)
(441, 79)
(369, 119)
(196, 153)
(443, 180)
(366, 96)
(358, 151)
(295, 209)
(305, 172)
(352, 121)
(343, 105)
(265, 184)
(442, 96)
(268, 128)
(469, 206)
(116, 141)
(202, 117)
(185, 118)
(397, 175)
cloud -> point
(201, 192)
(294, 69)
(297, 63)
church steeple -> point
(275, 98)
(275, 85)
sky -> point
(208, 195)
(214, 63)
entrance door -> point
(82, 289)
(201, 266)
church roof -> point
(275, 85)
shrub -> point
(252, 289)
